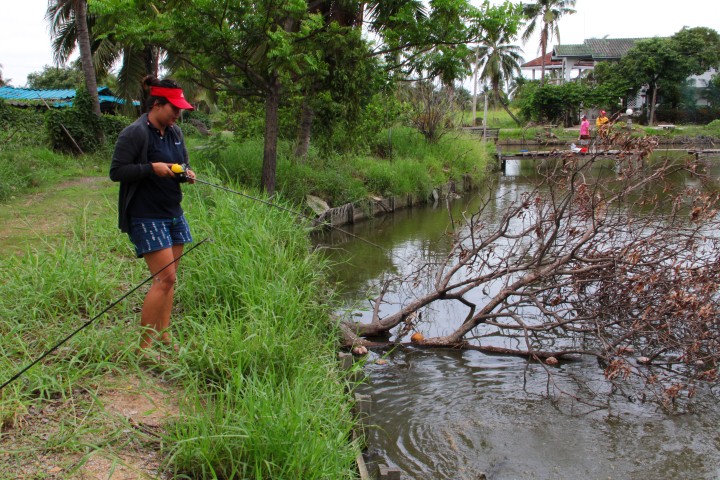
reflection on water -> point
(451, 415)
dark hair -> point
(151, 81)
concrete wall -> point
(376, 206)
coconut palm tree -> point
(68, 19)
(547, 13)
(138, 59)
(498, 61)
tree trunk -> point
(303, 139)
(83, 39)
(272, 104)
(543, 48)
(507, 109)
(651, 117)
(151, 60)
(451, 97)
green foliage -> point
(412, 167)
(60, 77)
(198, 115)
(80, 123)
(189, 130)
(21, 127)
(552, 103)
(666, 62)
(563, 104)
(701, 48)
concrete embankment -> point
(375, 206)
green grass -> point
(263, 396)
(691, 131)
(23, 170)
(411, 166)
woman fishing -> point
(149, 207)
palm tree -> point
(2, 82)
(498, 61)
(68, 19)
(548, 13)
(138, 60)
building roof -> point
(572, 50)
(614, 48)
(549, 62)
(55, 98)
(597, 49)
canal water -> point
(447, 414)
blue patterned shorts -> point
(153, 234)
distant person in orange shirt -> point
(602, 119)
(602, 124)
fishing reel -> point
(179, 171)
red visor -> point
(173, 95)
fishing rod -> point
(86, 324)
(180, 171)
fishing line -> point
(179, 169)
(21, 372)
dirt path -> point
(118, 427)
(33, 217)
(111, 429)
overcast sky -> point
(25, 43)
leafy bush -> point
(21, 127)
(698, 116)
(199, 116)
(80, 123)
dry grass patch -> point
(109, 431)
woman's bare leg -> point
(155, 317)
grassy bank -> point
(407, 165)
(510, 131)
(254, 392)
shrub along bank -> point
(407, 165)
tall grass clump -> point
(25, 168)
(264, 395)
(455, 155)
(410, 165)
(46, 294)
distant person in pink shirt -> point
(584, 128)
